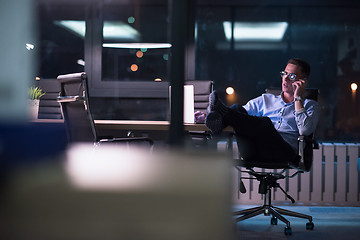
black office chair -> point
(75, 106)
(268, 179)
(48, 106)
(202, 90)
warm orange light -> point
(230, 90)
(354, 86)
(139, 54)
(37, 78)
(134, 67)
(157, 80)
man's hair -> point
(305, 67)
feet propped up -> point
(215, 104)
(216, 111)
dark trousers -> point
(257, 136)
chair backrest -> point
(202, 90)
(310, 93)
(313, 94)
(49, 108)
(75, 107)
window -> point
(129, 49)
(328, 37)
(61, 39)
(135, 44)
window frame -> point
(93, 66)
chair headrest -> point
(72, 77)
(310, 93)
(200, 86)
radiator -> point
(333, 180)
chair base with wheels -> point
(268, 181)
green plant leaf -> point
(35, 93)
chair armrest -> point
(69, 99)
(303, 142)
(301, 146)
(309, 140)
(128, 139)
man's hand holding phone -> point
(299, 87)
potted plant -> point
(34, 95)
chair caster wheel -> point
(274, 221)
(309, 226)
(288, 231)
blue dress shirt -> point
(288, 122)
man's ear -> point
(305, 79)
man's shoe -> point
(215, 104)
(213, 98)
(214, 122)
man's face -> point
(287, 83)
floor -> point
(331, 223)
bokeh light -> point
(139, 54)
(230, 90)
(134, 67)
(354, 86)
(131, 20)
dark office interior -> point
(130, 52)
(325, 33)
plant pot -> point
(33, 109)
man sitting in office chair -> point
(271, 123)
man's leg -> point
(239, 108)
(258, 131)
(217, 110)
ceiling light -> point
(114, 30)
(256, 31)
(77, 27)
(137, 45)
(119, 30)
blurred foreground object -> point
(17, 62)
(122, 195)
(27, 143)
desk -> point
(107, 126)
(149, 125)
(145, 125)
(138, 125)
